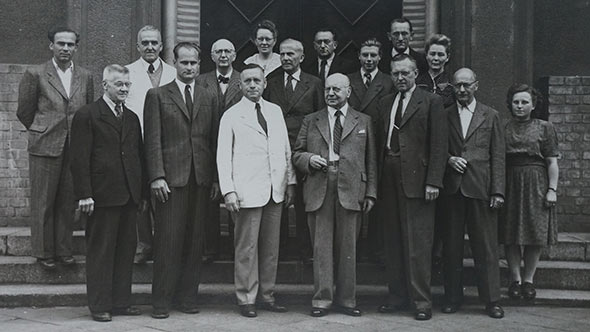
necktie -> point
(222, 79)
(261, 119)
(323, 65)
(367, 79)
(289, 87)
(188, 99)
(119, 111)
(151, 68)
(394, 142)
(337, 135)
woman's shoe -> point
(528, 291)
(514, 290)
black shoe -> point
(390, 308)
(101, 316)
(141, 258)
(271, 306)
(494, 310)
(355, 312)
(160, 314)
(188, 308)
(66, 260)
(318, 312)
(528, 291)
(449, 308)
(47, 263)
(423, 314)
(129, 311)
(248, 310)
(514, 290)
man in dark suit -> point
(473, 191)
(335, 150)
(412, 146)
(224, 83)
(298, 94)
(107, 173)
(49, 96)
(401, 34)
(327, 62)
(180, 132)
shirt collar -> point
(328, 60)
(394, 51)
(295, 75)
(470, 107)
(250, 104)
(217, 73)
(111, 104)
(373, 73)
(70, 68)
(343, 109)
(408, 94)
(146, 64)
(181, 85)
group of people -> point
(400, 144)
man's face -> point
(465, 85)
(265, 41)
(117, 87)
(437, 57)
(403, 74)
(324, 44)
(291, 58)
(400, 36)
(187, 64)
(63, 46)
(252, 83)
(337, 91)
(369, 57)
(223, 54)
(149, 45)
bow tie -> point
(222, 79)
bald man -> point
(335, 149)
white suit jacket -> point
(254, 165)
(141, 84)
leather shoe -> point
(528, 291)
(318, 312)
(494, 310)
(423, 314)
(141, 258)
(449, 308)
(47, 263)
(101, 316)
(355, 312)
(188, 309)
(248, 310)
(160, 314)
(67, 260)
(514, 290)
(271, 306)
(389, 308)
(129, 311)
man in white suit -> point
(149, 71)
(256, 177)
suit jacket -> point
(232, 95)
(254, 165)
(175, 141)
(307, 98)
(422, 140)
(45, 109)
(366, 100)
(357, 177)
(385, 63)
(339, 65)
(142, 83)
(107, 156)
(484, 150)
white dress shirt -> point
(328, 64)
(332, 121)
(111, 104)
(407, 97)
(223, 86)
(181, 86)
(65, 76)
(296, 78)
(465, 115)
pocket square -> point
(362, 131)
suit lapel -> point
(350, 122)
(478, 118)
(54, 80)
(232, 88)
(374, 90)
(300, 89)
(358, 87)
(250, 122)
(454, 120)
(76, 82)
(412, 107)
(107, 116)
(126, 123)
(196, 103)
(387, 115)
(323, 125)
(177, 98)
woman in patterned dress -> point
(529, 222)
(265, 37)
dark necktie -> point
(151, 68)
(394, 143)
(367, 79)
(119, 111)
(289, 87)
(188, 98)
(222, 79)
(261, 119)
(323, 65)
(337, 135)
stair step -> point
(368, 297)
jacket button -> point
(122, 153)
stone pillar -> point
(168, 29)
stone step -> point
(15, 241)
(368, 297)
(550, 274)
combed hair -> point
(438, 39)
(402, 20)
(186, 45)
(330, 30)
(536, 96)
(114, 68)
(149, 28)
(267, 25)
(373, 42)
(403, 56)
(51, 33)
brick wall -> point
(14, 160)
(569, 110)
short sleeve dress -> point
(526, 220)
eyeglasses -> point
(464, 85)
(319, 42)
(121, 84)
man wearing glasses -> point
(327, 63)
(149, 71)
(401, 34)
